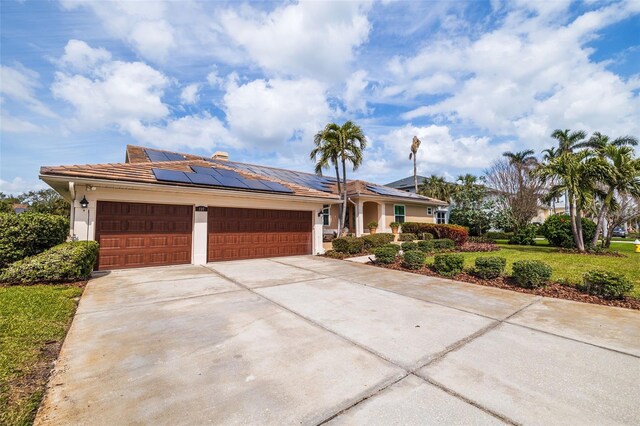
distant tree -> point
(46, 201)
(7, 202)
(437, 187)
(472, 207)
(628, 210)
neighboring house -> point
(437, 214)
(20, 208)
(165, 208)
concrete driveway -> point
(312, 340)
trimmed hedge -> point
(395, 247)
(27, 234)
(385, 254)
(525, 236)
(609, 285)
(443, 244)
(376, 240)
(406, 236)
(531, 273)
(409, 245)
(67, 262)
(351, 245)
(426, 236)
(457, 233)
(557, 229)
(494, 235)
(448, 264)
(425, 246)
(413, 259)
(489, 267)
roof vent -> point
(220, 155)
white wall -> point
(84, 223)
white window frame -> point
(326, 215)
(444, 216)
(429, 211)
(404, 215)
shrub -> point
(448, 264)
(531, 273)
(351, 245)
(413, 259)
(498, 235)
(372, 225)
(477, 247)
(426, 236)
(395, 225)
(395, 247)
(426, 246)
(409, 245)
(489, 267)
(405, 236)
(457, 233)
(376, 240)
(334, 254)
(609, 285)
(557, 229)
(443, 244)
(66, 262)
(483, 239)
(385, 254)
(525, 236)
(27, 234)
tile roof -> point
(138, 168)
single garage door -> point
(252, 233)
(133, 235)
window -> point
(399, 213)
(441, 217)
(326, 209)
(430, 211)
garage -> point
(240, 233)
(133, 235)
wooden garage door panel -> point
(138, 234)
(253, 233)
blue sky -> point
(82, 79)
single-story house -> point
(166, 208)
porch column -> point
(359, 219)
(381, 218)
(200, 235)
(317, 245)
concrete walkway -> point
(312, 340)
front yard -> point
(568, 267)
(33, 323)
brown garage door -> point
(133, 235)
(252, 233)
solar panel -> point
(170, 176)
(203, 179)
(156, 155)
(172, 156)
(276, 186)
(256, 184)
(232, 182)
(384, 190)
(200, 169)
(228, 173)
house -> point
(19, 208)
(406, 184)
(440, 212)
(166, 208)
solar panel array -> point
(319, 183)
(155, 155)
(385, 190)
(218, 177)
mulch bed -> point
(553, 289)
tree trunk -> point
(601, 215)
(574, 226)
(345, 204)
(415, 173)
(579, 227)
(340, 220)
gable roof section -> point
(405, 182)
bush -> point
(426, 236)
(372, 225)
(426, 246)
(376, 240)
(351, 245)
(525, 236)
(27, 234)
(457, 233)
(334, 254)
(609, 285)
(395, 247)
(405, 236)
(448, 264)
(557, 229)
(477, 247)
(489, 267)
(67, 262)
(409, 245)
(443, 244)
(531, 273)
(498, 235)
(385, 254)
(413, 259)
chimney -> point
(220, 155)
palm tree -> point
(343, 144)
(521, 158)
(437, 187)
(568, 141)
(325, 153)
(415, 145)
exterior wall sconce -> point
(84, 203)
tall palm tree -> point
(344, 144)
(415, 145)
(325, 153)
(521, 158)
(568, 140)
(437, 187)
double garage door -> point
(139, 234)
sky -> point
(79, 80)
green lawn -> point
(569, 267)
(32, 320)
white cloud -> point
(19, 185)
(12, 124)
(19, 84)
(189, 94)
(354, 96)
(311, 38)
(213, 79)
(264, 113)
(79, 56)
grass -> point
(33, 323)
(568, 267)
